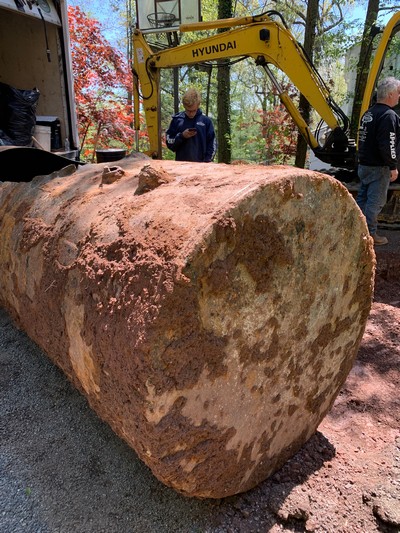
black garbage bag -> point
(18, 113)
(5, 139)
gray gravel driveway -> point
(62, 469)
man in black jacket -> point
(379, 136)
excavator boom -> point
(267, 42)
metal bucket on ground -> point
(110, 154)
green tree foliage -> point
(267, 135)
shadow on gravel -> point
(62, 469)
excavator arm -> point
(391, 29)
(266, 41)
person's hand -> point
(394, 174)
(189, 132)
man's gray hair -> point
(386, 86)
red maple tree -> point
(270, 133)
(278, 128)
(102, 81)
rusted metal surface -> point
(210, 321)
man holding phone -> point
(191, 133)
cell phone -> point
(192, 129)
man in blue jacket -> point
(191, 133)
(378, 142)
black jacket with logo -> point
(379, 136)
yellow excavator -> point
(268, 41)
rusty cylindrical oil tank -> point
(211, 321)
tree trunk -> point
(304, 106)
(223, 98)
(363, 66)
(210, 321)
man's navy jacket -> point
(201, 147)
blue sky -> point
(112, 27)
